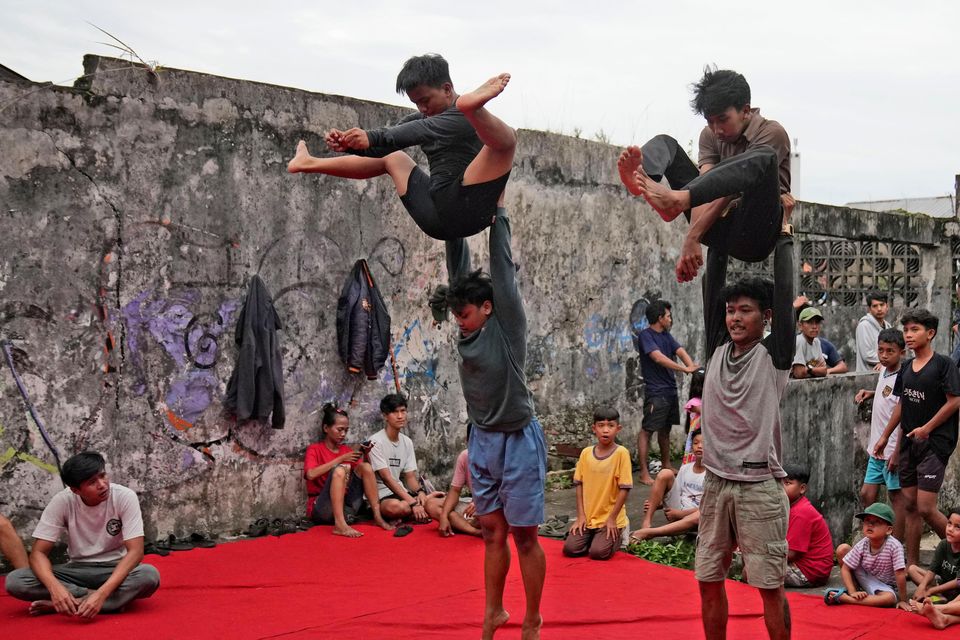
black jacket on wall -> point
(363, 323)
(255, 389)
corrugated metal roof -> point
(938, 206)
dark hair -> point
(329, 416)
(695, 433)
(921, 317)
(798, 473)
(955, 511)
(719, 90)
(474, 288)
(656, 310)
(876, 295)
(391, 402)
(603, 413)
(893, 336)
(81, 467)
(696, 383)
(757, 289)
(429, 70)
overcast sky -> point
(870, 90)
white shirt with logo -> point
(884, 402)
(94, 534)
(399, 457)
(687, 488)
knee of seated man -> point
(604, 553)
(149, 576)
(16, 582)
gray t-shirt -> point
(868, 330)
(808, 352)
(492, 359)
(94, 534)
(399, 457)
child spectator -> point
(456, 515)
(875, 564)
(603, 479)
(679, 494)
(883, 469)
(337, 479)
(939, 583)
(809, 545)
(692, 409)
(929, 390)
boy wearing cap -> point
(875, 564)
(810, 359)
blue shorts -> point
(877, 473)
(508, 471)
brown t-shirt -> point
(758, 131)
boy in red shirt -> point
(810, 547)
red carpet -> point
(316, 585)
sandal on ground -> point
(201, 541)
(158, 548)
(402, 530)
(832, 596)
(179, 545)
(555, 527)
(258, 528)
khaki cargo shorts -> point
(751, 515)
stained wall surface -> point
(136, 206)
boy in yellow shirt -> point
(603, 479)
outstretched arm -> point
(507, 303)
(411, 131)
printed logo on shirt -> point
(914, 394)
(114, 526)
(887, 390)
(394, 462)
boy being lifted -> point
(470, 151)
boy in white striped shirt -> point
(875, 564)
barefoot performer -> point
(470, 152)
(506, 449)
(740, 197)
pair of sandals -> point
(276, 527)
(556, 527)
(172, 543)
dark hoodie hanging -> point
(255, 389)
(363, 323)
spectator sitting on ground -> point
(679, 494)
(939, 583)
(337, 478)
(603, 478)
(104, 530)
(873, 570)
(457, 515)
(809, 545)
(395, 464)
(810, 358)
(11, 547)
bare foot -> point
(531, 629)
(629, 161)
(484, 93)
(493, 622)
(934, 615)
(646, 479)
(383, 524)
(302, 154)
(41, 607)
(667, 202)
(346, 531)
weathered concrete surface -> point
(133, 213)
(134, 210)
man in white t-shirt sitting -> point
(679, 494)
(104, 541)
(395, 464)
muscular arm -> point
(94, 601)
(507, 303)
(414, 130)
(780, 343)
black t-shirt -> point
(922, 393)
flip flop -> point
(202, 541)
(402, 530)
(555, 527)
(156, 548)
(258, 528)
(832, 596)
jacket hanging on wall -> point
(363, 323)
(255, 389)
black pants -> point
(749, 231)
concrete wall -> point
(134, 209)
